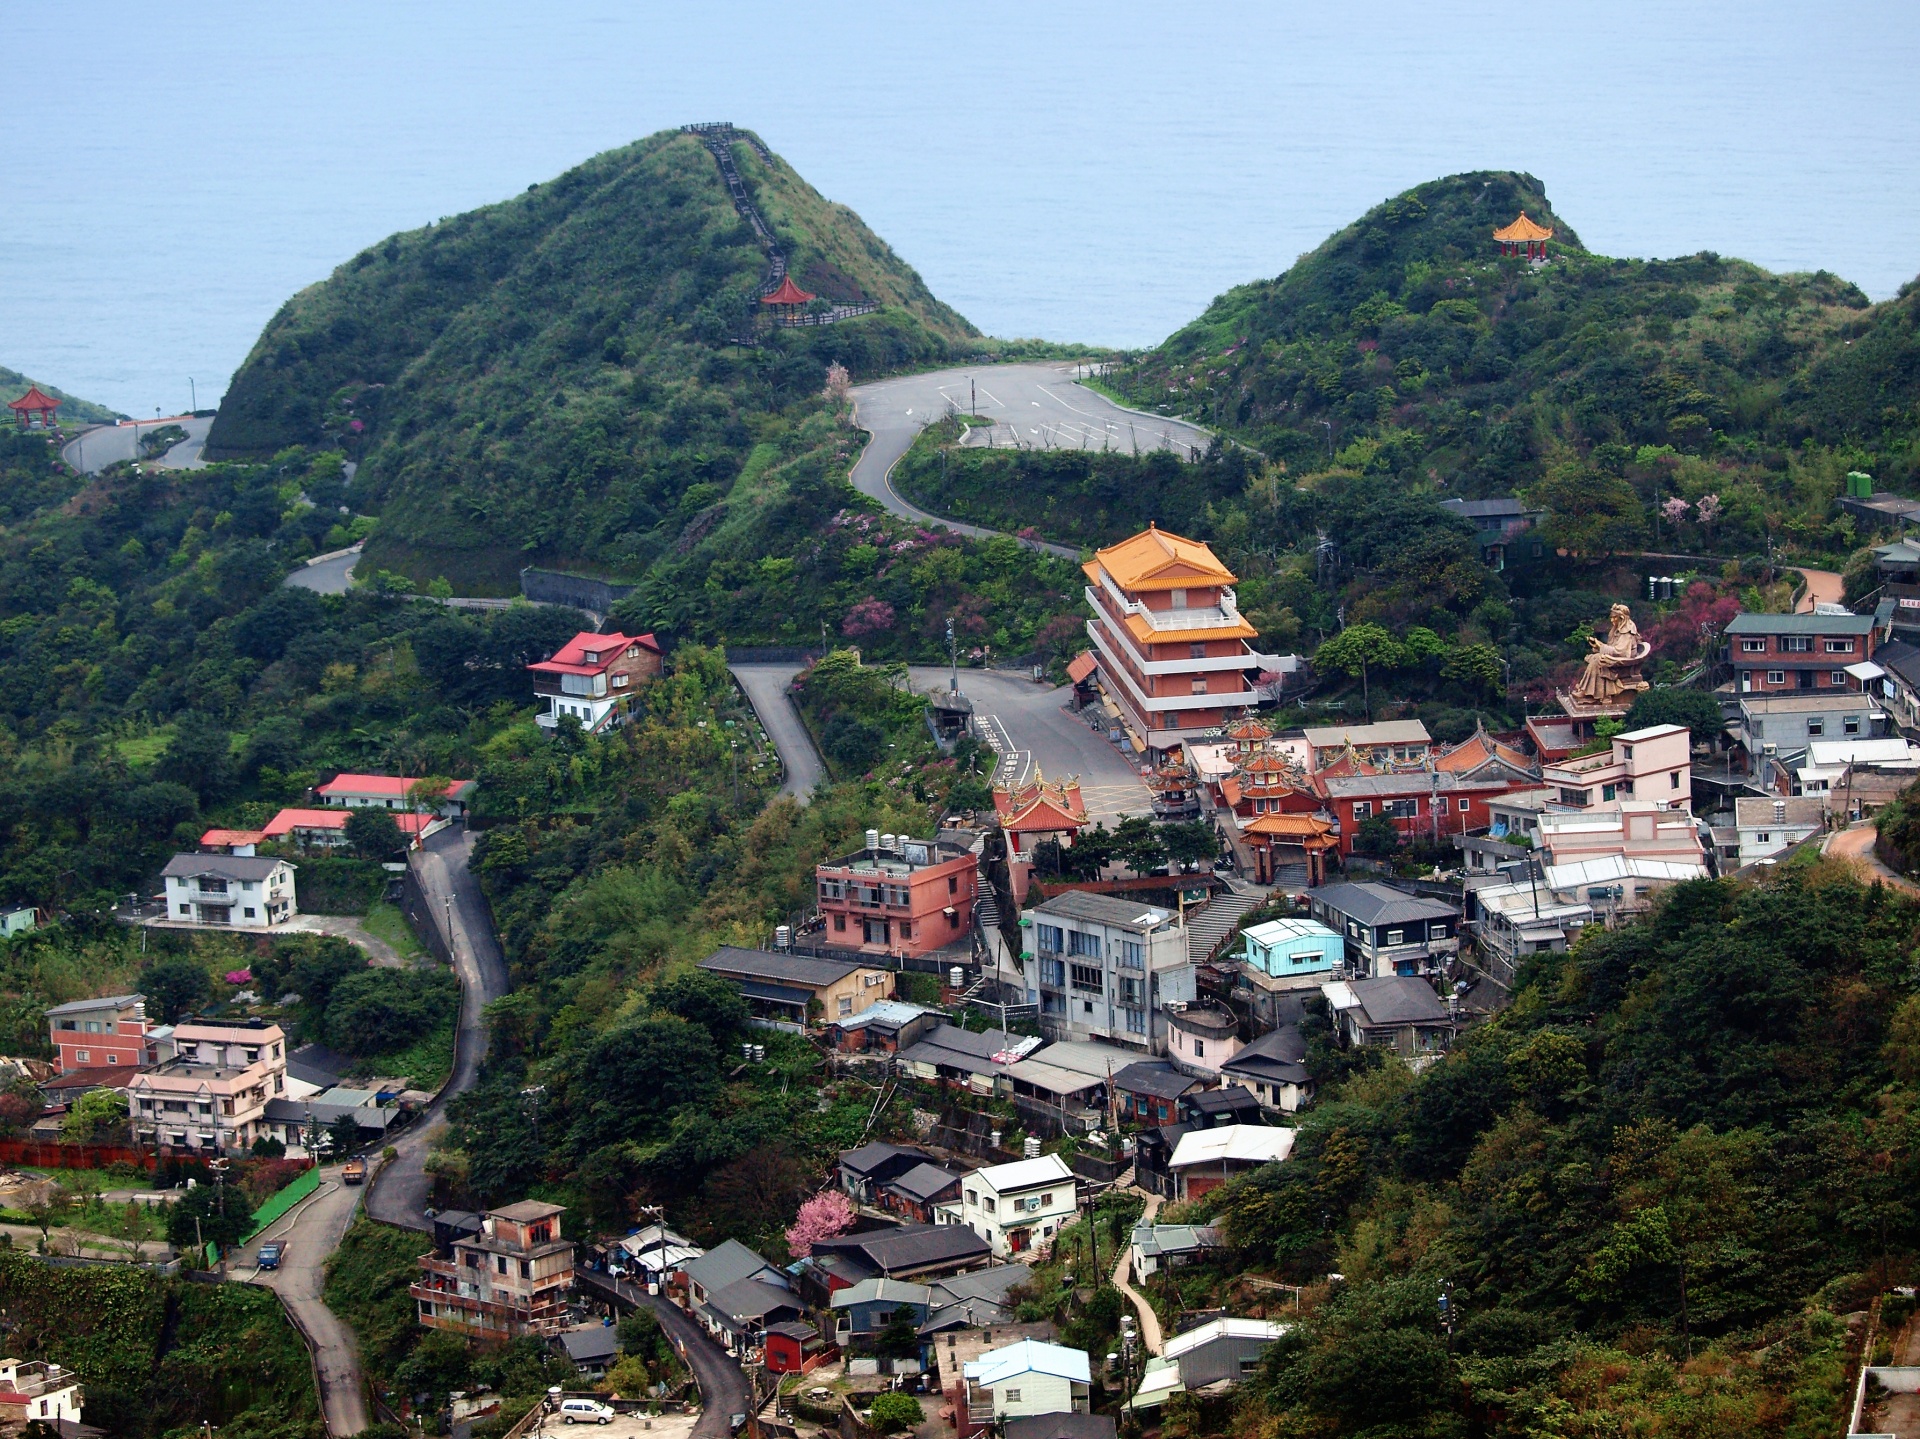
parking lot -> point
(629, 1426)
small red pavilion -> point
(788, 298)
(35, 403)
(1524, 233)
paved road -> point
(1824, 587)
(723, 1387)
(327, 576)
(1030, 726)
(766, 690)
(1122, 1274)
(93, 450)
(400, 1192)
(1038, 406)
(1856, 844)
(311, 1231)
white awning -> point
(1866, 670)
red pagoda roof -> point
(35, 399)
(788, 294)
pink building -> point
(108, 1033)
(1652, 765)
(898, 895)
(1635, 829)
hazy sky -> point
(1079, 171)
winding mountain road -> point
(91, 451)
(1034, 406)
(765, 687)
(399, 1193)
(723, 1384)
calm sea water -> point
(1071, 170)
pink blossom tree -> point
(826, 1214)
(1706, 511)
(1675, 510)
(869, 617)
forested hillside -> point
(1406, 345)
(552, 378)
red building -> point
(1171, 640)
(1423, 805)
(591, 679)
(898, 896)
(794, 1348)
(1776, 654)
(1266, 783)
(100, 1033)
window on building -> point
(1797, 644)
(186, 909)
(1850, 725)
(1199, 1048)
(953, 884)
(1838, 679)
(1839, 647)
(1763, 838)
(1053, 972)
(1197, 650)
(1199, 684)
(248, 912)
(846, 1004)
(1133, 954)
(500, 1264)
(1403, 808)
(1086, 944)
(1087, 977)
(82, 1055)
(1362, 809)
(1816, 728)
(1177, 598)
(1776, 677)
(1049, 937)
(1753, 647)
(1086, 1006)
(1465, 805)
(839, 921)
(1136, 1021)
(1607, 792)
(1013, 1395)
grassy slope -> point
(13, 385)
(1407, 329)
(547, 379)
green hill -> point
(550, 379)
(1407, 345)
(72, 411)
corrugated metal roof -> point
(1748, 623)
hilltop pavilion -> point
(1523, 232)
(36, 403)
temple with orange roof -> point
(1170, 637)
(1523, 235)
(1268, 783)
(1290, 846)
(1031, 814)
(38, 405)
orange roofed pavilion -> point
(1523, 232)
(1169, 634)
(35, 404)
(788, 294)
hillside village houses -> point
(898, 896)
(241, 892)
(212, 1089)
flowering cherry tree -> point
(826, 1214)
(869, 617)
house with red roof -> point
(327, 828)
(37, 1392)
(592, 678)
(386, 791)
(1031, 814)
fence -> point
(37, 1155)
(772, 654)
(288, 1196)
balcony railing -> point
(1223, 616)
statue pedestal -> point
(1579, 709)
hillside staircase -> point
(1208, 930)
(719, 137)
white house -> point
(229, 890)
(1205, 1159)
(1106, 968)
(34, 1392)
(1032, 1377)
(1015, 1207)
(1769, 827)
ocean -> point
(1074, 171)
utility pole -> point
(194, 391)
(953, 660)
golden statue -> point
(1612, 676)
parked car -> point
(270, 1253)
(584, 1411)
(355, 1172)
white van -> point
(584, 1411)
